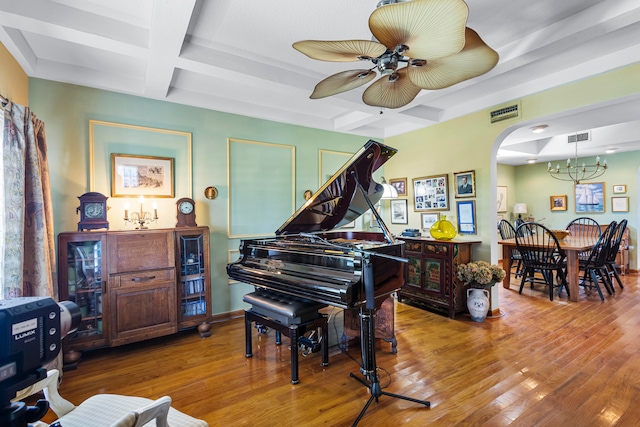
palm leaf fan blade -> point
(342, 82)
(339, 50)
(391, 94)
(430, 28)
(474, 60)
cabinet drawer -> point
(142, 278)
(143, 250)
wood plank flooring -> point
(542, 363)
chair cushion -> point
(107, 409)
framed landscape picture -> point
(431, 193)
(428, 219)
(133, 175)
(589, 197)
(399, 214)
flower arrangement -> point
(480, 274)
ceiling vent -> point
(578, 137)
(505, 113)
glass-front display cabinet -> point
(81, 278)
(192, 244)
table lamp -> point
(519, 208)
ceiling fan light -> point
(401, 48)
(387, 63)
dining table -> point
(572, 247)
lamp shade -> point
(390, 192)
(520, 208)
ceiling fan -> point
(430, 36)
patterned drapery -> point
(27, 257)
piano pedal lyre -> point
(311, 342)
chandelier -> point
(575, 172)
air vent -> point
(579, 137)
(505, 113)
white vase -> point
(478, 304)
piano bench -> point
(287, 322)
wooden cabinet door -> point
(140, 250)
(142, 305)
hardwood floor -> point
(542, 363)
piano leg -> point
(368, 343)
(247, 336)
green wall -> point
(462, 144)
(66, 110)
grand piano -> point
(307, 259)
(345, 269)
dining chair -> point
(507, 231)
(584, 227)
(595, 269)
(610, 265)
(108, 410)
(541, 253)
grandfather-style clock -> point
(186, 213)
(93, 211)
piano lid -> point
(340, 200)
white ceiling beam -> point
(168, 30)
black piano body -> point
(308, 260)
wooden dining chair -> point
(595, 268)
(584, 227)
(541, 253)
(610, 265)
(507, 231)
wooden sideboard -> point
(134, 285)
(430, 273)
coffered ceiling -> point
(236, 56)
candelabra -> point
(141, 218)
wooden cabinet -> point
(430, 273)
(134, 285)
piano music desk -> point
(290, 316)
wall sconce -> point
(142, 217)
(211, 192)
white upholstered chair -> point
(109, 410)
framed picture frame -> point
(431, 193)
(466, 217)
(619, 189)
(620, 204)
(428, 219)
(400, 184)
(399, 211)
(351, 224)
(136, 175)
(465, 183)
(106, 138)
(589, 197)
(558, 203)
(501, 193)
